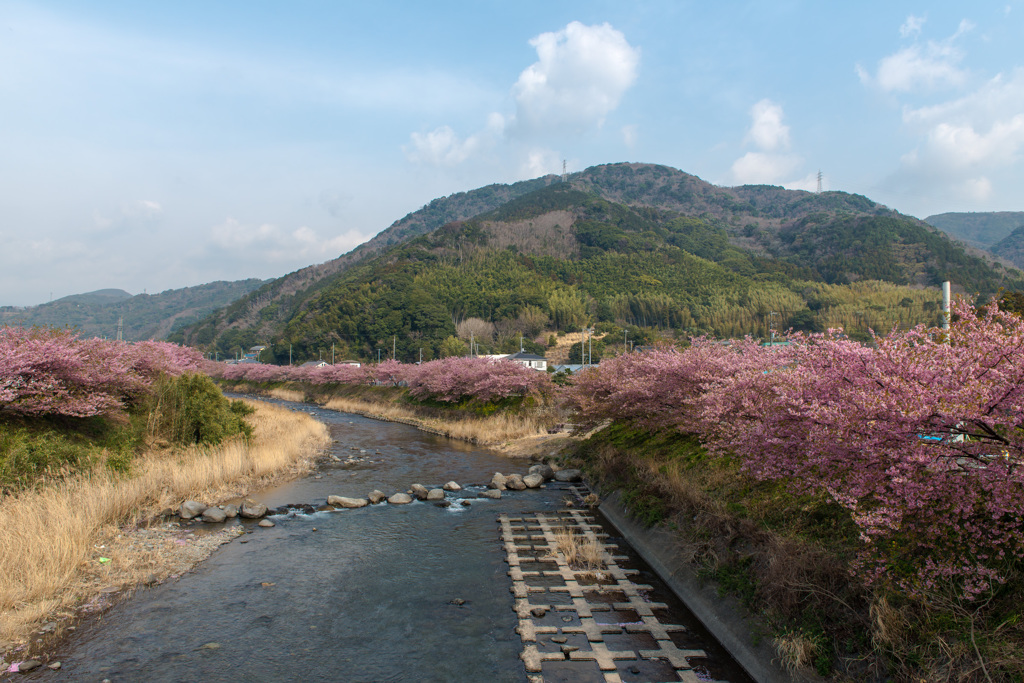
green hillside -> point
(1011, 247)
(981, 229)
(263, 311)
(566, 255)
(146, 316)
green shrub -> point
(190, 409)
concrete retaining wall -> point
(724, 617)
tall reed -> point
(48, 534)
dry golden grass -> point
(49, 537)
(796, 651)
(579, 552)
(287, 395)
(492, 430)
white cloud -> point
(912, 26)
(540, 162)
(809, 183)
(965, 141)
(982, 130)
(767, 130)
(916, 67)
(629, 135)
(760, 167)
(269, 243)
(443, 147)
(977, 189)
(772, 160)
(580, 76)
(138, 214)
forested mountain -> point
(266, 309)
(982, 229)
(146, 316)
(624, 244)
(1011, 247)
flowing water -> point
(381, 593)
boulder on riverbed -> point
(498, 481)
(400, 499)
(568, 475)
(344, 502)
(435, 494)
(213, 515)
(190, 509)
(491, 493)
(230, 511)
(533, 480)
(543, 470)
(252, 510)
(514, 482)
(452, 486)
(266, 523)
(420, 491)
(377, 497)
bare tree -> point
(479, 329)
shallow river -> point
(367, 596)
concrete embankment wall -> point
(724, 617)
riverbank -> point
(73, 547)
(784, 561)
(522, 433)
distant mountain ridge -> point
(146, 316)
(996, 232)
(981, 229)
(626, 242)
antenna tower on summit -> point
(565, 175)
(819, 181)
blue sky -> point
(148, 146)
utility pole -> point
(520, 342)
(470, 343)
(946, 299)
(332, 353)
(819, 181)
(289, 354)
(583, 346)
(394, 343)
(421, 355)
(771, 326)
(624, 349)
(590, 345)
(120, 328)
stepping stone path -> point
(540, 574)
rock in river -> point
(491, 493)
(452, 486)
(377, 496)
(420, 491)
(498, 481)
(568, 475)
(266, 523)
(343, 502)
(214, 515)
(400, 499)
(190, 509)
(543, 470)
(533, 480)
(514, 482)
(251, 510)
(435, 494)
